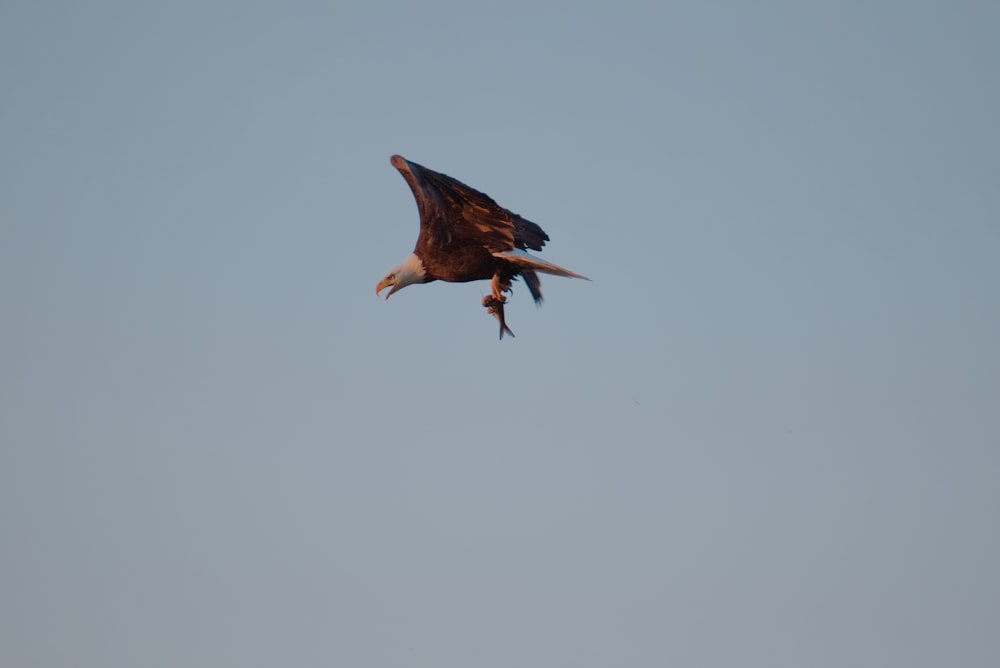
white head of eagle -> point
(410, 272)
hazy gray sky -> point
(766, 434)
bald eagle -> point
(466, 236)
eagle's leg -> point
(499, 286)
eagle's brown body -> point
(466, 236)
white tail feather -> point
(524, 259)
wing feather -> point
(452, 212)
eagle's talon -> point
(492, 304)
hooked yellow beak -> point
(383, 284)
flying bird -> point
(466, 236)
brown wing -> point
(451, 211)
(528, 234)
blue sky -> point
(766, 434)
